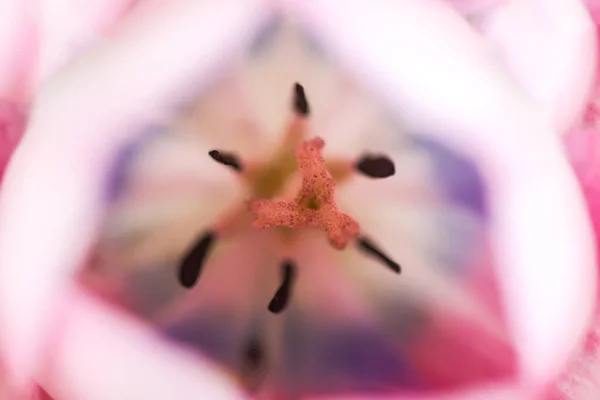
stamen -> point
(376, 166)
(368, 247)
(192, 264)
(253, 353)
(282, 296)
(301, 106)
(253, 362)
(315, 205)
(227, 159)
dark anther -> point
(253, 361)
(227, 159)
(281, 298)
(376, 166)
(191, 265)
(300, 103)
(368, 247)
(253, 353)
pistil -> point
(315, 205)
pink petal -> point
(18, 50)
(70, 182)
(12, 126)
(583, 151)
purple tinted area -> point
(212, 333)
(363, 360)
(150, 288)
(272, 28)
(457, 244)
(460, 180)
(317, 358)
(337, 359)
(118, 176)
(265, 35)
(216, 333)
(117, 179)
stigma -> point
(292, 189)
(314, 207)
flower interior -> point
(313, 207)
(266, 225)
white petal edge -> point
(550, 48)
(68, 26)
(104, 354)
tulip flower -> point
(265, 200)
